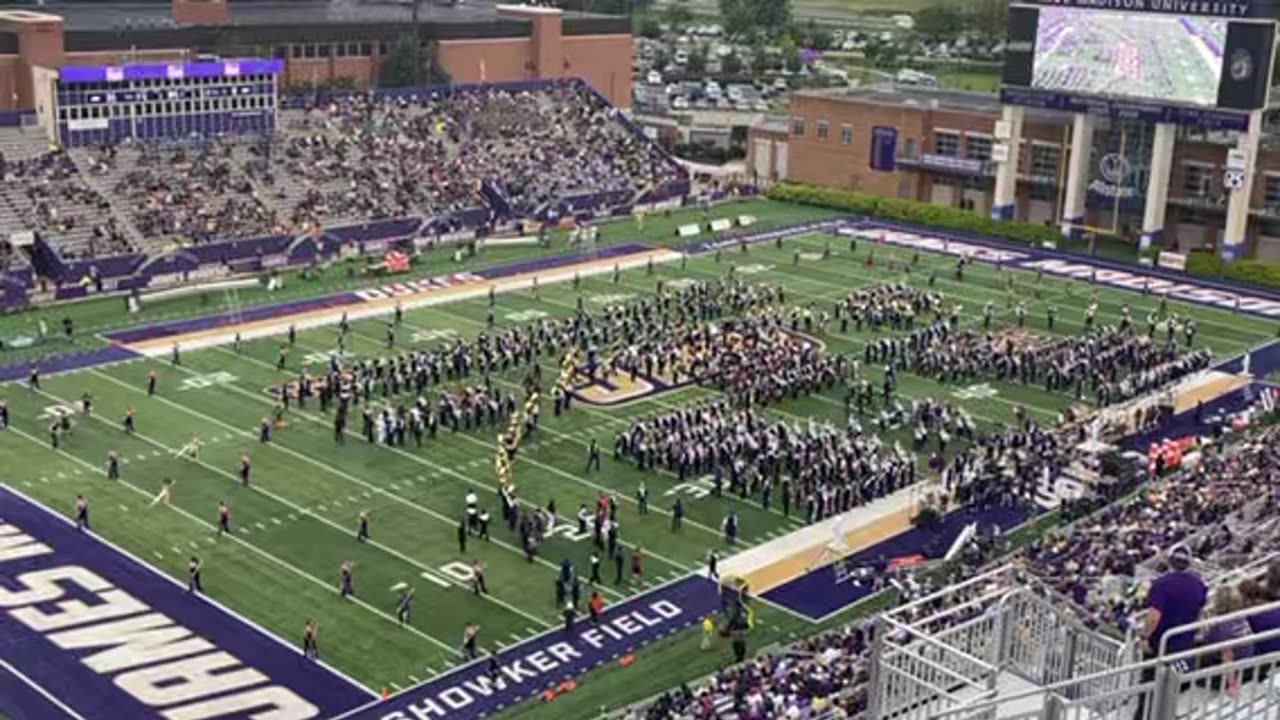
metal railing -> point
(1218, 681)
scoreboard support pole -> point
(1161, 168)
(1080, 155)
(1009, 135)
(1235, 235)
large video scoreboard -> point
(108, 103)
(1199, 62)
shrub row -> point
(1259, 273)
(1253, 272)
(914, 212)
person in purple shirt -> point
(1227, 601)
(1262, 621)
(1175, 598)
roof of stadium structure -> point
(123, 16)
(931, 98)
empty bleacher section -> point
(358, 169)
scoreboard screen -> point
(1144, 56)
(1194, 66)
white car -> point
(654, 78)
(780, 84)
(679, 102)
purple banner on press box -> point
(101, 635)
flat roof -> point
(927, 98)
(158, 14)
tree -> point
(660, 60)
(732, 64)
(697, 60)
(744, 18)
(791, 54)
(990, 18)
(410, 64)
(738, 21)
(649, 27)
(400, 67)
(677, 14)
(939, 22)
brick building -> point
(319, 42)
(943, 150)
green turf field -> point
(297, 522)
(102, 314)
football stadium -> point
(470, 400)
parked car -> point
(654, 78)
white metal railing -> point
(1177, 686)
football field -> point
(295, 524)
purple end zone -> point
(112, 638)
(820, 592)
(20, 701)
(544, 661)
(67, 363)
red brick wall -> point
(505, 60)
(604, 61)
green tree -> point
(990, 18)
(737, 17)
(648, 26)
(697, 60)
(745, 18)
(939, 22)
(409, 63)
(400, 67)
(791, 54)
(732, 64)
(677, 14)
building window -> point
(977, 147)
(1044, 161)
(340, 50)
(1041, 192)
(309, 50)
(1195, 180)
(846, 135)
(323, 49)
(1271, 191)
(822, 129)
(909, 152)
(295, 51)
(946, 143)
(797, 126)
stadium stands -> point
(454, 159)
(1222, 508)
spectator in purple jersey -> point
(1175, 598)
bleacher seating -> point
(1223, 509)
(345, 161)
